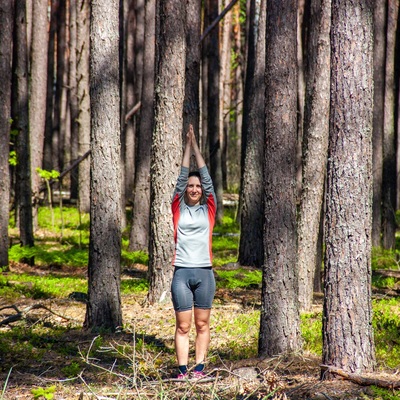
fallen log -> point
(361, 380)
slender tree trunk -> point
(73, 96)
(316, 132)
(38, 92)
(167, 142)
(139, 235)
(377, 133)
(104, 300)
(389, 181)
(213, 107)
(347, 318)
(6, 32)
(191, 105)
(49, 133)
(280, 321)
(82, 76)
(21, 118)
(252, 198)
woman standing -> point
(193, 284)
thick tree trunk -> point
(347, 318)
(139, 235)
(167, 142)
(6, 32)
(104, 301)
(252, 197)
(389, 181)
(21, 119)
(82, 76)
(377, 133)
(315, 144)
(38, 93)
(280, 321)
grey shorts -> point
(192, 287)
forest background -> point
(296, 110)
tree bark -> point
(252, 198)
(279, 319)
(21, 118)
(213, 106)
(104, 301)
(315, 145)
(6, 32)
(139, 235)
(347, 314)
(389, 179)
(38, 92)
(377, 133)
(167, 142)
(82, 76)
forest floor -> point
(295, 377)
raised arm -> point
(196, 151)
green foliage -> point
(239, 278)
(13, 158)
(72, 370)
(13, 286)
(132, 257)
(48, 175)
(384, 259)
(47, 393)
(311, 330)
(386, 323)
(385, 394)
(134, 285)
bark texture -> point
(347, 318)
(6, 18)
(38, 91)
(252, 198)
(315, 146)
(139, 235)
(82, 77)
(104, 302)
(280, 322)
(167, 142)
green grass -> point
(239, 278)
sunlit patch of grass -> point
(133, 257)
(386, 323)
(311, 330)
(384, 259)
(66, 217)
(239, 278)
(236, 334)
(134, 286)
(12, 286)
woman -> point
(193, 284)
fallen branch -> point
(360, 379)
(20, 314)
(134, 110)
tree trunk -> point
(139, 235)
(377, 133)
(315, 142)
(21, 118)
(347, 317)
(389, 181)
(38, 93)
(73, 96)
(48, 163)
(82, 76)
(6, 32)
(104, 301)
(191, 105)
(252, 204)
(213, 107)
(167, 142)
(280, 321)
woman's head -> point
(194, 190)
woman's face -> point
(193, 191)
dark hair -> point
(195, 173)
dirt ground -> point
(296, 377)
